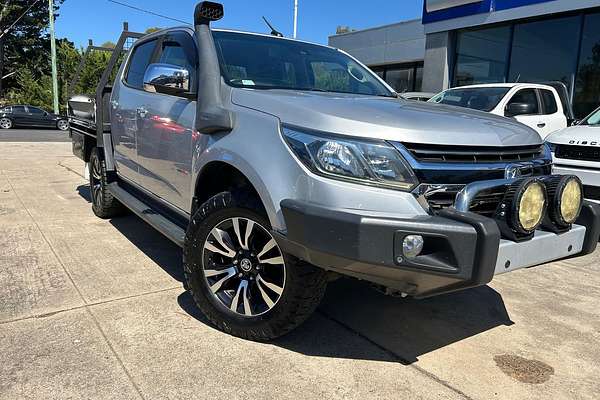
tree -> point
(153, 29)
(27, 44)
(108, 45)
(29, 88)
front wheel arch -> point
(217, 177)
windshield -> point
(482, 98)
(260, 62)
(593, 119)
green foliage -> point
(34, 91)
(26, 45)
(30, 88)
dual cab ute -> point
(278, 164)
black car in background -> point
(30, 116)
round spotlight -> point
(412, 246)
(531, 205)
(570, 197)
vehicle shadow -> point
(397, 330)
(85, 192)
(162, 251)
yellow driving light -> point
(571, 200)
(532, 206)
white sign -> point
(437, 5)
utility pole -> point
(53, 56)
(295, 18)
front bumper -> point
(462, 249)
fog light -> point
(531, 206)
(571, 200)
(412, 246)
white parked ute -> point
(538, 106)
(576, 151)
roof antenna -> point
(274, 31)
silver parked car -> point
(278, 164)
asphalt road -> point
(95, 309)
(33, 135)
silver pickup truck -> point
(278, 165)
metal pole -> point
(295, 18)
(53, 56)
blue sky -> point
(101, 20)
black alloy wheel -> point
(244, 267)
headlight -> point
(371, 162)
(531, 204)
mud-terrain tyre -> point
(104, 205)
(256, 295)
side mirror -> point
(167, 79)
(514, 109)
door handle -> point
(541, 125)
(142, 112)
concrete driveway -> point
(96, 309)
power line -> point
(18, 19)
(148, 11)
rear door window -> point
(138, 62)
(550, 106)
(36, 111)
(527, 96)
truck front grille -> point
(484, 203)
(582, 153)
(440, 200)
(473, 154)
(591, 192)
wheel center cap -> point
(246, 265)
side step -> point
(171, 230)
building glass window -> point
(537, 51)
(587, 84)
(402, 80)
(402, 77)
(418, 79)
(545, 51)
(481, 56)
